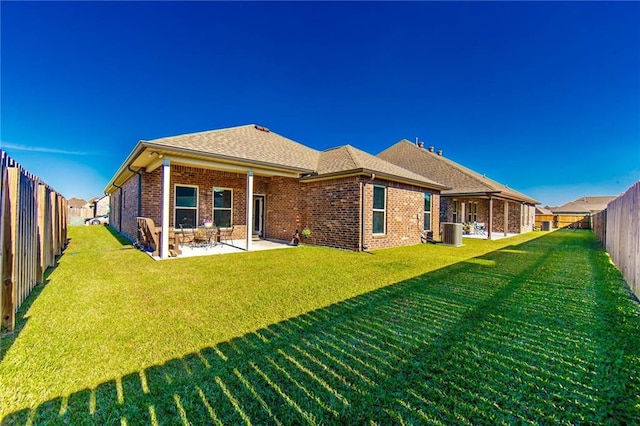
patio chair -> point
(148, 235)
(479, 228)
(186, 236)
(204, 237)
(226, 235)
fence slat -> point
(32, 234)
(618, 228)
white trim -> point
(472, 212)
(216, 165)
(213, 207)
(383, 210)
(506, 217)
(175, 200)
(428, 212)
(166, 186)
(263, 222)
(249, 200)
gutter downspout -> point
(119, 208)
(363, 245)
(139, 188)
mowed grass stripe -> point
(526, 330)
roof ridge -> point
(201, 132)
(350, 150)
(480, 178)
(471, 173)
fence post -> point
(9, 249)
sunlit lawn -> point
(533, 329)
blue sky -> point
(543, 97)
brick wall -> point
(205, 180)
(404, 215)
(123, 217)
(283, 207)
(518, 213)
(329, 208)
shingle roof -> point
(585, 205)
(248, 142)
(346, 158)
(542, 210)
(433, 166)
(257, 145)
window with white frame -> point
(186, 206)
(379, 209)
(427, 211)
(472, 214)
(222, 207)
(455, 211)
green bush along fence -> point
(33, 231)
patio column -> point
(249, 209)
(490, 227)
(164, 243)
(506, 217)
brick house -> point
(472, 197)
(258, 183)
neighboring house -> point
(543, 214)
(579, 213)
(543, 211)
(472, 197)
(585, 205)
(77, 211)
(99, 205)
(255, 182)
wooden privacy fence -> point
(33, 231)
(564, 221)
(618, 228)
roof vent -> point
(431, 149)
(420, 144)
(262, 129)
(439, 152)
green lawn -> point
(533, 329)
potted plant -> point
(306, 232)
(466, 228)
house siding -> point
(330, 208)
(124, 208)
(521, 216)
(404, 215)
(283, 208)
(205, 180)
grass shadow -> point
(514, 336)
(7, 338)
(118, 236)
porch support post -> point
(489, 228)
(249, 209)
(506, 217)
(166, 175)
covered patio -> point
(238, 246)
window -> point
(186, 206)
(427, 211)
(379, 209)
(222, 207)
(455, 211)
(472, 214)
